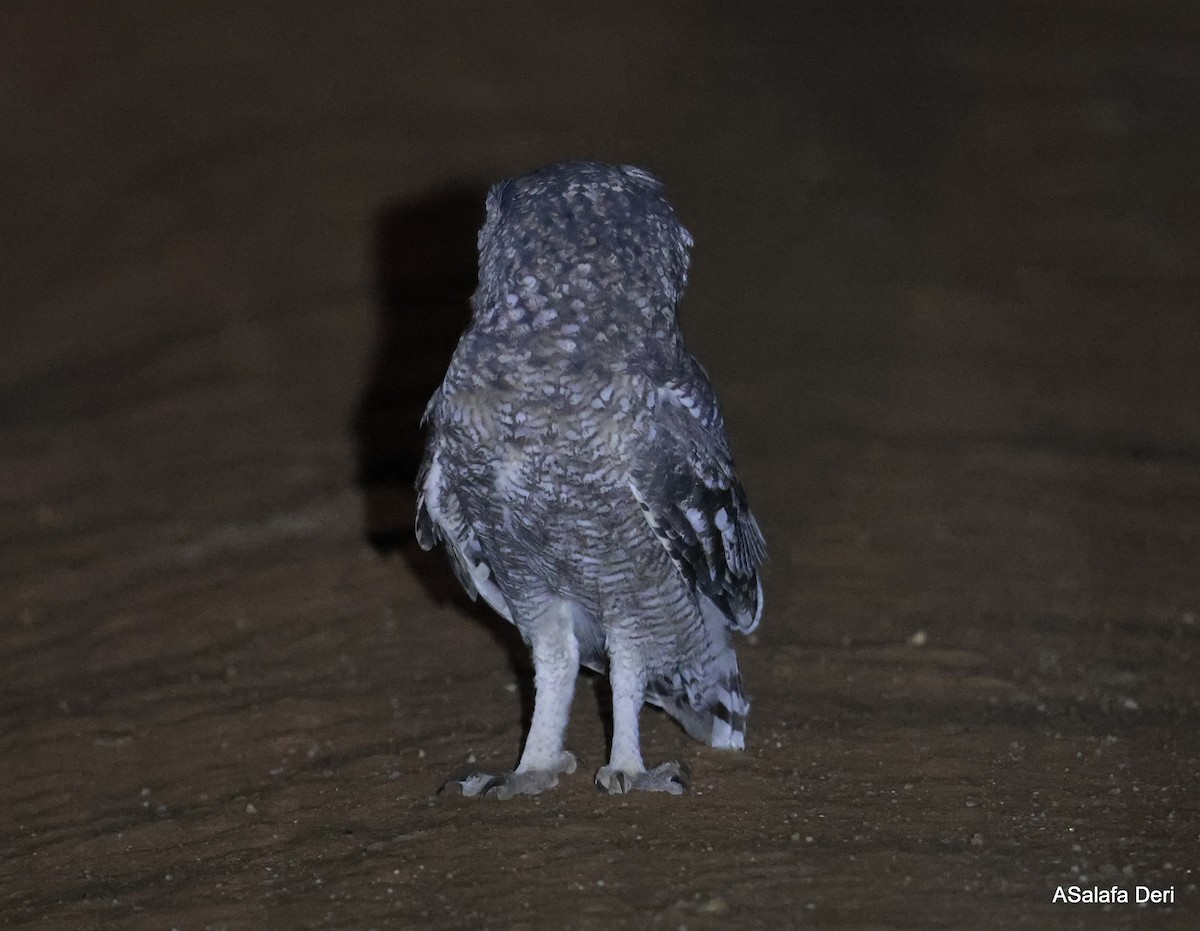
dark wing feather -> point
(685, 482)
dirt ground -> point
(946, 284)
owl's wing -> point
(440, 519)
(685, 482)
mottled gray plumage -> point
(579, 473)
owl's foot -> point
(508, 785)
(669, 777)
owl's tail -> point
(713, 712)
(730, 708)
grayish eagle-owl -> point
(578, 472)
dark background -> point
(946, 284)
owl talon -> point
(508, 785)
(492, 784)
(472, 785)
(672, 778)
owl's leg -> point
(625, 771)
(555, 669)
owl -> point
(578, 472)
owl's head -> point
(584, 231)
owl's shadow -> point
(424, 267)
(424, 261)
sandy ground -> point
(946, 284)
